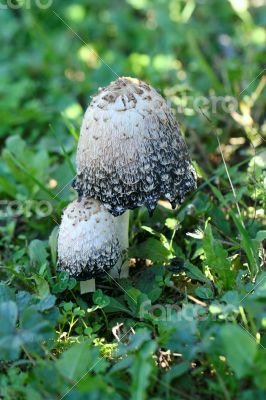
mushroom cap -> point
(130, 151)
(87, 241)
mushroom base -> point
(121, 269)
(87, 286)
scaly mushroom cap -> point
(87, 242)
(130, 152)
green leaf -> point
(100, 299)
(42, 286)
(7, 187)
(67, 158)
(183, 325)
(6, 293)
(218, 218)
(24, 175)
(151, 249)
(47, 303)
(204, 293)
(35, 328)
(250, 246)
(53, 244)
(77, 360)
(9, 340)
(37, 252)
(151, 281)
(64, 282)
(216, 258)
(137, 301)
(16, 145)
(176, 371)
(71, 128)
(239, 348)
(258, 288)
(131, 297)
(141, 370)
(195, 273)
(116, 306)
(8, 317)
(261, 235)
(140, 350)
(122, 364)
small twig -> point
(197, 301)
(116, 331)
(28, 355)
(192, 298)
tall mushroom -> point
(88, 246)
(130, 152)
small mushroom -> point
(87, 242)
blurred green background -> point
(184, 48)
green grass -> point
(190, 321)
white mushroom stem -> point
(87, 286)
(121, 269)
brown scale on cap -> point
(139, 155)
